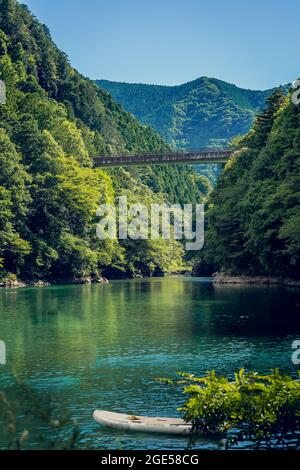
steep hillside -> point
(254, 212)
(203, 113)
(54, 120)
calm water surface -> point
(72, 349)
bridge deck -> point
(166, 158)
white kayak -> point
(142, 423)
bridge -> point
(165, 158)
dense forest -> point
(203, 113)
(253, 217)
(53, 122)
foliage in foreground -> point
(261, 409)
(56, 431)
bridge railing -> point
(164, 152)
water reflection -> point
(102, 345)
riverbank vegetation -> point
(53, 123)
(253, 216)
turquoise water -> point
(73, 349)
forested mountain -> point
(53, 122)
(203, 113)
(254, 212)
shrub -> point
(262, 409)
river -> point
(73, 349)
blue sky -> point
(252, 43)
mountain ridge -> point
(204, 112)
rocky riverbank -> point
(17, 283)
(223, 278)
